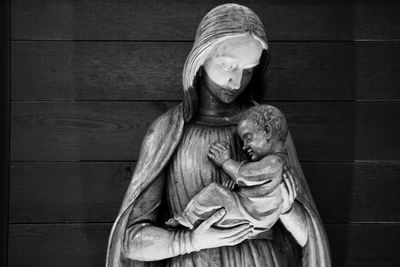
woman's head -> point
(230, 66)
(232, 35)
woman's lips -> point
(230, 92)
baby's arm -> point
(220, 154)
(266, 170)
(231, 168)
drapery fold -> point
(158, 146)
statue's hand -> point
(219, 153)
(204, 236)
(288, 189)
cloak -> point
(158, 146)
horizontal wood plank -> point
(83, 191)
(85, 244)
(153, 71)
(68, 191)
(355, 192)
(93, 70)
(83, 131)
(364, 244)
(328, 131)
(177, 20)
(58, 245)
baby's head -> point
(263, 130)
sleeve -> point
(148, 203)
(266, 170)
(144, 235)
(316, 247)
(158, 145)
(296, 223)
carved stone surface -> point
(220, 167)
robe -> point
(158, 146)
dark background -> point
(84, 79)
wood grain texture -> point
(364, 244)
(133, 52)
(58, 245)
(68, 191)
(85, 244)
(328, 131)
(93, 192)
(355, 192)
(177, 20)
(5, 96)
(153, 71)
(81, 130)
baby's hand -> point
(219, 153)
(229, 184)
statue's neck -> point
(210, 106)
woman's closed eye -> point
(226, 63)
(248, 137)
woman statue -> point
(230, 52)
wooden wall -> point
(88, 77)
(4, 130)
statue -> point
(258, 198)
(206, 163)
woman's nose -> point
(235, 80)
(233, 85)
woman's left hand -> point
(288, 188)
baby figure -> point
(252, 193)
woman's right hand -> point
(289, 189)
(204, 236)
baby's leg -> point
(207, 202)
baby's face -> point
(255, 140)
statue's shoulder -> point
(171, 118)
(166, 125)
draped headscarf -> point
(221, 23)
(162, 138)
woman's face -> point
(230, 66)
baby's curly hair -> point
(268, 118)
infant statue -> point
(252, 193)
